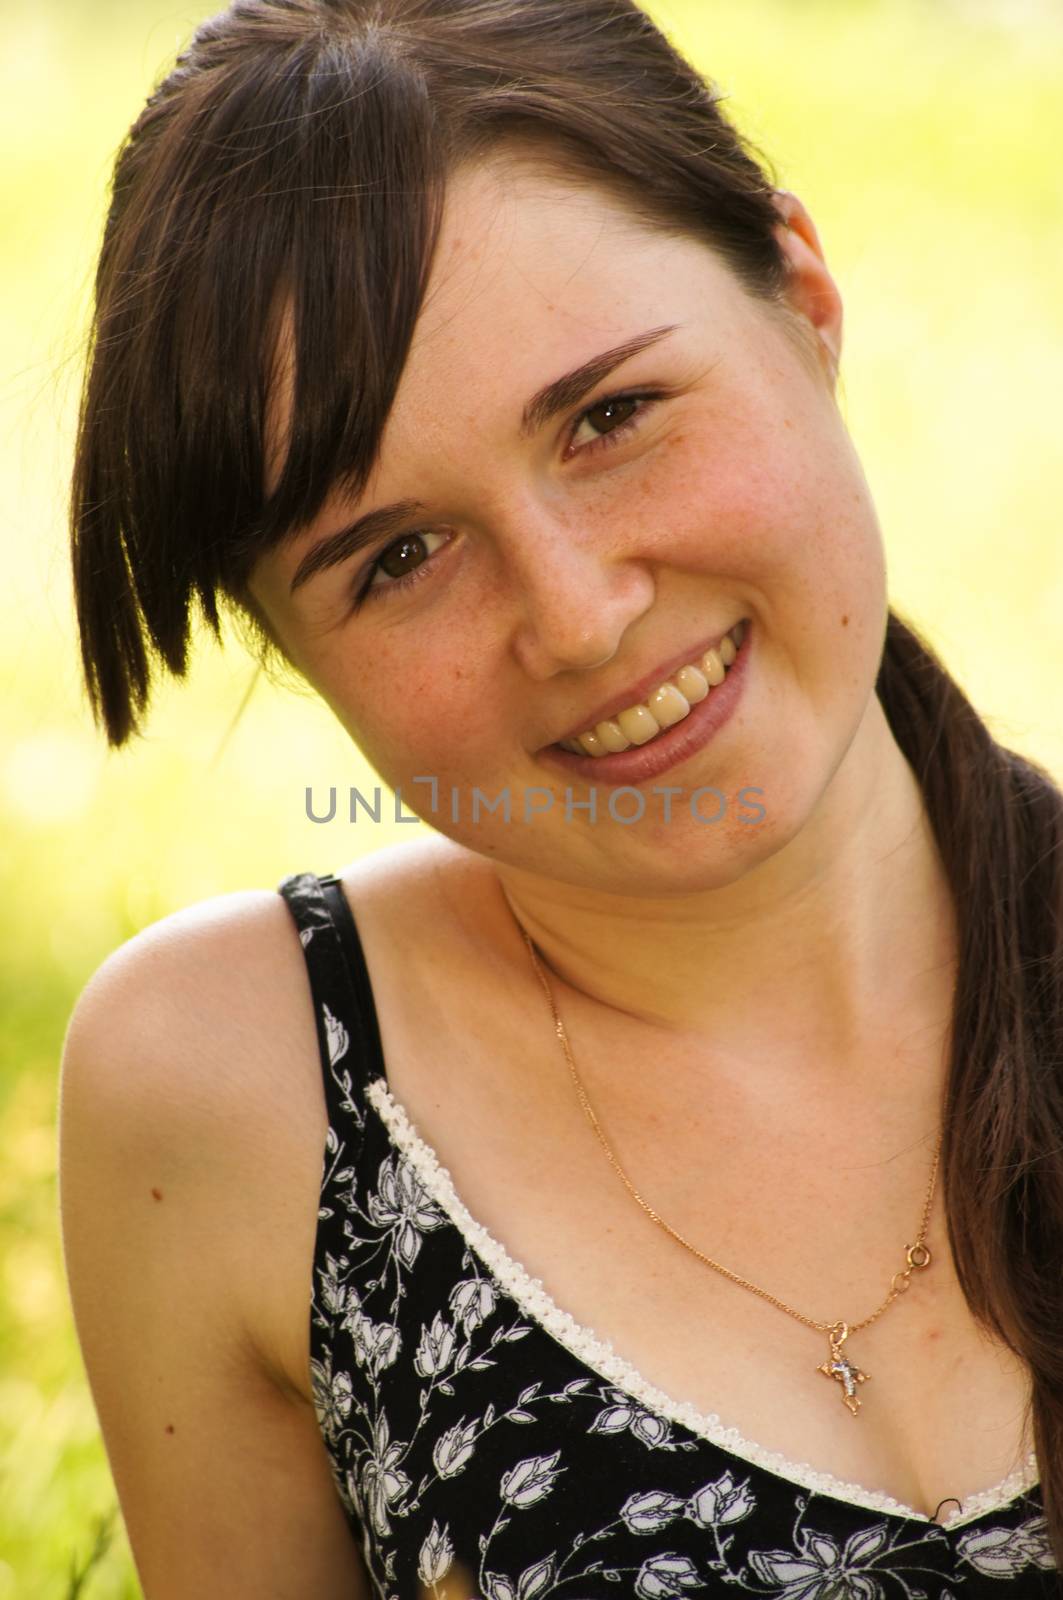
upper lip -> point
(639, 691)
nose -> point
(577, 596)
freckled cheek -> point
(768, 504)
(410, 718)
(717, 507)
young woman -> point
(654, 1182)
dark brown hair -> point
(298, 155)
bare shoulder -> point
(191, 1130)
(167, 962)
(211, 999)
(195, 1042)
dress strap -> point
(344, 1011)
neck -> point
(838, 944)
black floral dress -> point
(485, 1444)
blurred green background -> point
(925, 139)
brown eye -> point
(399, 564)
(612, 419)
(609, 411)
(401, 556)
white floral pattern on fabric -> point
(478, 1435)
(1006, 1552)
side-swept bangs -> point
(311, 189)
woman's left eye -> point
(604, 412)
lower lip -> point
(668, 749)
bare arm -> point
(172, 1086)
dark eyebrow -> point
(555, 397)
(570, 389)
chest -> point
(939, 1406)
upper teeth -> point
(667, 705)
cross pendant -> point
(842, 1369)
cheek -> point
(717, 502)
(773, 500)
(410, 710)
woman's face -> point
(555, 565)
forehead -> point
(534, 269)
(524, 250)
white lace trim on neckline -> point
(599, 1355)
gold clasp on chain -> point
(917, 1257)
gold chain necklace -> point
(837, 1366)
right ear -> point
(812, 292)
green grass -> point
(924, 143)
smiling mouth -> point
(666, 705)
